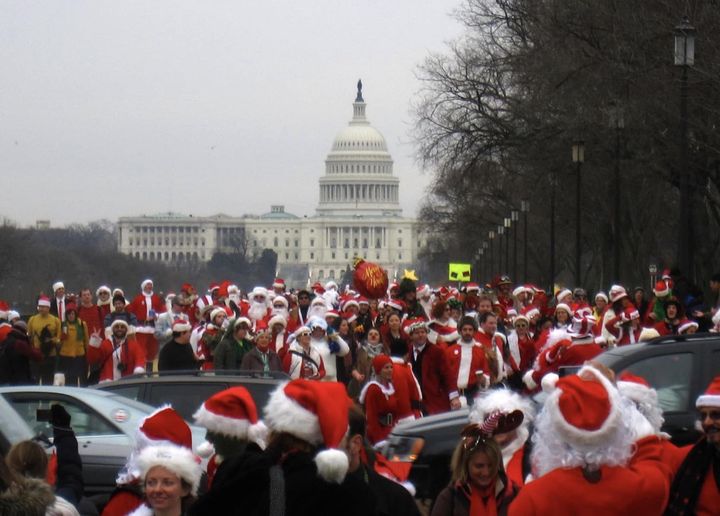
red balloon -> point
(370, 279)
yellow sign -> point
(459, 272)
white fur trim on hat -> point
(577, 436)
(177, 459)
(57, 285)
(277, 319)
(217, 311)
(117, 322)
(229, 426)
(102, 288)
(282, 414)
(708, 400)
(145, 282)
(332, 465)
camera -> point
(43, 415)
(121, 367)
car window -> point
(84, 420)
(670, 375)
(186, 398)
(127, 391)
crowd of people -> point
(357, 367)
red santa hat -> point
(564, 306)
(396, 304)
(661, 289)
(217, 311)
(145, 282)
(102, 288)
(629, 314)
(279, 283)
(412, 324)
(181, 326)
(530, 311)
(711, 397)
(423, 290)
(334, 314)
(119, 322)
(350, 302)
(617, 292)
(585, 408)
(186, 287)
(316, 412)
(282, 300)
(563, 293)
(223, 289)
(164, 426)
(363, 301)
(44, 301)
(213, 287)
(318, 288)
(277, 319)
(178, 459)
(379, 362)
(232, 413)
(58, 285)
(685, 325)
(601, 295)
(522, 289)
(471, 287)
(445, 332)
(582, 325)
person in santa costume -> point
(279, 335)
(281, 308)
(302, 360)
(594, 452)
(625, 328)
(521, 350)
(673, 315)
(211, 337)
(429, 365)
(379, 399)
(304, 468)
(170, 477)
(147, 306)
(696, 486)
(479, 485)
(104, 300)
(329, 344)
(515, 444)
(163, 427)
(468, 363)
(494, 343)
(118, 355)
(233, 428)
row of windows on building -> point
(167, 229)
(359, 192)
(169, 256)
(166, 241)
(340, 168)
(346, 145)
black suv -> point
(679, 367)
(187, 390)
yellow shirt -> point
(72, 345)
(35, 328)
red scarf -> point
(482, 501)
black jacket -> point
(177, 357)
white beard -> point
(316, 311)
(257, 311)
(281, 311)
(426, 305)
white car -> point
(105, 425)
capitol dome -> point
(359, 177)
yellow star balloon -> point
(409, 274)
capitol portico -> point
(358, 214)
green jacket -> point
(229, 353)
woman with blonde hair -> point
(479, 485)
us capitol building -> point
(358, 214)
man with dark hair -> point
(467, 361)
(177, 355)
(494, 344)
(390, 497)
(119, 312)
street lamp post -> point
(501, 232)
(684, 36)
(491, 238)
(515, 217)
(617, 122)
(578, 157)
(525, 208)
(507, 223)
(484, 262)
(553, 181)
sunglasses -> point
(279, 306)
(712, 414)
(305, 334)
(521, 325)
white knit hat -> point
(177, 459)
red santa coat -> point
(407, 390)
(639, 489)
(437, 384)
(129, 353)
(464, 360)
(561, 355)
(145, 334)
(380, 410)
(709, 500)
(623, 334)
(521, 353)
(514, 467)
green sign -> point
(459, 272)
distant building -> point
(358, 214)
(42, 224)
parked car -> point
(187, 390)
(679, 367)
(105, 425)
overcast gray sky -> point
(111, 108)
